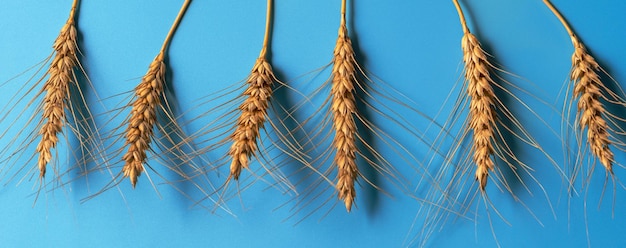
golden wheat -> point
(57, 92)
(149, 99)
(343, 107)
(60, 114)
(481, 115)
(253, 125)
(588, 90)
(492, 134)
(253, 116)
(143, 114)
(345, 142)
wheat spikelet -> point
(253, 116)
(57, 92)
(343, 107)
(140, 131)
(588, 90)
(481, 115)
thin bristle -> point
(253, 116)
(140, 129)
(482, 113)
(57, 93)
(343, 107)
(587, 87)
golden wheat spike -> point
(481, 115)
(143, 116)
(253, 116)
(588, 89)
(343, 109)
(481, 119)
(57, 94)
(491, 132)
(254, 108)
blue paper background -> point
(412, 45)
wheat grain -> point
(481, 115)
(57, 92)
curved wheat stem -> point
(57, 90)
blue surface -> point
(413, 46)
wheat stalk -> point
(57, 91)
(143, 115)
(343, 109)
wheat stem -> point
(561, 18)
(170, 34)
(268, 28)
(73, 10)
(461, 16)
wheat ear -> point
(253, 116)
(140, 129)
(588, 89)
(343, 107)
(254, 108)
(482, 113)
(57, 91)
(143, 115)
(481, 119)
